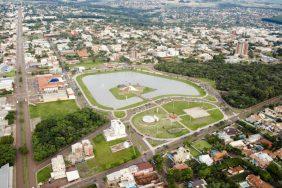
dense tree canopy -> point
(53, 134)
(8, 152)
(241, 85)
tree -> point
(204, 172)
(7, 154)
(158, 161)
(63, 131)
(23, 150)
(275, 171)
(10, 117)
(7, 140)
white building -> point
(206, 159)
(58, 167)
(6, 176)
(72, 175)
(6, 84)
(181, 155)
(116, 131)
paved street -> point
(25, 166)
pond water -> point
(99, 86)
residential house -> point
(256, 182)
(206, 159)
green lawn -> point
(201, 145)
(161, 129)
(10, 74)
(119, 95)
(178, 107)
(104, 159)
(210, 98)
(53, 109)
(119, 114)
(122, 96)
(155, 142)
(44, 174)
(194, 152)
(194, 124)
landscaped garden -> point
(176, 118)
(194, 124)
(126, 92)
(163, 128)
(104, 158)
(119, 114)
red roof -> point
(144, 166)
(44, 81)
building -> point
(261, 159)
(116, 130)
(72, 175)
(256, 182)
(49, 83)
(123, 177)
(237, 144)
(242, 49)
(70, 93)
(6, 84)
(140, 175)
(58, 167)
(235, 170)
(6, 176)
(198, 183)
(82, 53)
(81, 151)
(206, 159)
(181, 155)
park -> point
(176, 118)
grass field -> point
(161, 129)
(155, 143)
(104, 159)
(194, 152)
(44, 174)
(10, 74)
(194, 124)
(201, 145)
(210, 98)
(178, 107)
(53, 109)
(119, 114)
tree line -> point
(54, 133)
(8, 151)
(241, 85)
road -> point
(25, 166)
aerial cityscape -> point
(140, 94)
